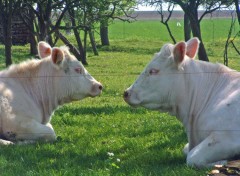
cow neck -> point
(42, 90)
(202, 84)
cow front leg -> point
(215, 149)
(5, 142)
(186, 149)
(31, 130)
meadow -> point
(104, 136)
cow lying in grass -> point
(32, 90)
(205, 97)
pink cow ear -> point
(179, 52)
(57, 56)
(192, 47)
(44, 49)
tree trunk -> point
(85, 45)
(8, 44)
(33, 43)
(170, 32)
(72, 48)
(192, 14)
(7, 33)
(236, 2)
(93, 43)
(104, 33)
(43, 23)
(187, 28)
(80, 45)
(76, 34)
(202, 54)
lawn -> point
(104, 136)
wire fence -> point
(124, 74)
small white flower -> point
(118, 160)
(110, 154)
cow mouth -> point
(92, 95)
(132, 102)
(134, 105)
(159, 107)
(150, 106)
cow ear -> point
(57, 56)
(44, 49)
(192, 47)
(179, 52)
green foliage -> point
(104, 136)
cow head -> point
(71, 78)
(160, 82)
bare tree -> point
(236, 3)
(165, 21)
(82, 14)
(230, 39)
(190, 8)
(7, 10)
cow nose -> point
(100, 87)
(125, 94)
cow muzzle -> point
(126, 95)
(131, 98)
(96, 89)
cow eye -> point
(78, 70)
(153, 71)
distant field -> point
(150, 35)
(215, 29)
(143, 142)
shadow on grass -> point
(129, 49)
(106, 109)
(160, 157)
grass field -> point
(104, 136)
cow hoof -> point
(5, 142)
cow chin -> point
(151, 106)
(138, 103)
(159, 107)
(78, 97)
(132, 102)
(94, 94)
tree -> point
(49, 15)
(114, 10)
(165, 21)
(190, 8)
(236, 3)
(89, 14)
(230, 39)
(82, 14)
(7, 10)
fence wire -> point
(3, 101)
(125, 74)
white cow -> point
(32, 90)
(204, 96)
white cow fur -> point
(205, 97)
(32, 90)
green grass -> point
(146, 142)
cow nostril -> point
(100, 87)
(125, 94)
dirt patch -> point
(230, 169)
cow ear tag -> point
(57, 56)
(179, 52)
